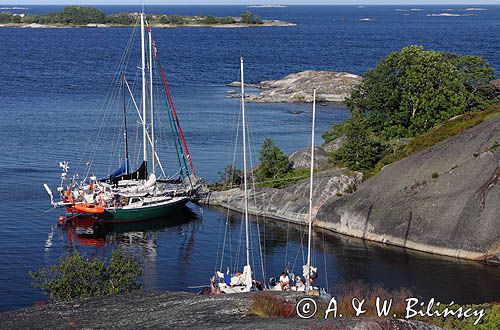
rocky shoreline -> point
(167, 310)
(442, 200)
(265, 23)
(297, 87)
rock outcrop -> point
(298, 87)
(302, 158)
(178, 310)
(290, 203)
(444, 200)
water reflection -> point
(183, 251)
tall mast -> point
(151, 100)
(245, 160)
(125, 136)
(311, 195)
(143, 68)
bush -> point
(248, 18)
(274, 163)
(271, 305)
(413, 90)
(360, 150)
(76, 277)
(231, 177)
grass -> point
(274, 305)
(446, 130)
(271, 305)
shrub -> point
(271, 305)
(274, 164)
(231, 176)
(360, 150)
(413, 90)
(435, 175)
(76, 277)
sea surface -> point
(58, 102)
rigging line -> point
(172, 105)
(252, 176)
(103, 106)
(233, 170)
(140, 118)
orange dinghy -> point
(89, 208)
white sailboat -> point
(309, 272)
(240, 282)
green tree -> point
(249, 18)
(413, 90)
(274, 163)
(231, 176)
(79, 15)
(76, 277)
(120, 18)
(360, 150)
(5, 17)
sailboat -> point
(134, 196)
(309, 272)
(239, 282)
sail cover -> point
(140, 174)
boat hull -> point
(143, 213)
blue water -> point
(54, 83)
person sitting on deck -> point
(301, 285)
(284, 281)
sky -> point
(248, 2)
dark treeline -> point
(82, 15)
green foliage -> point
(120, 19)
(494, 146)
(491, 319)
(450, 128)
(231, 177)
(274, 163)
(249, 18)
(83, 15)
(76, 277)
(413, 90)
(78, 15)
(360, 150)
(5, 17)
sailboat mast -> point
(153, 144)
(125, 134)
(245, 160)
(311, 195)
(143, 68)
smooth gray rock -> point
(302, 158)
(298, 87)
(334, 145)
(177, 310)
(290, 203)
(444, 200)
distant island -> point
(82, 16)
(266, 6)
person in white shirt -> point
(284, 281)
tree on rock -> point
(413, 90)
(274, 163)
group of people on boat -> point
(288, 281)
